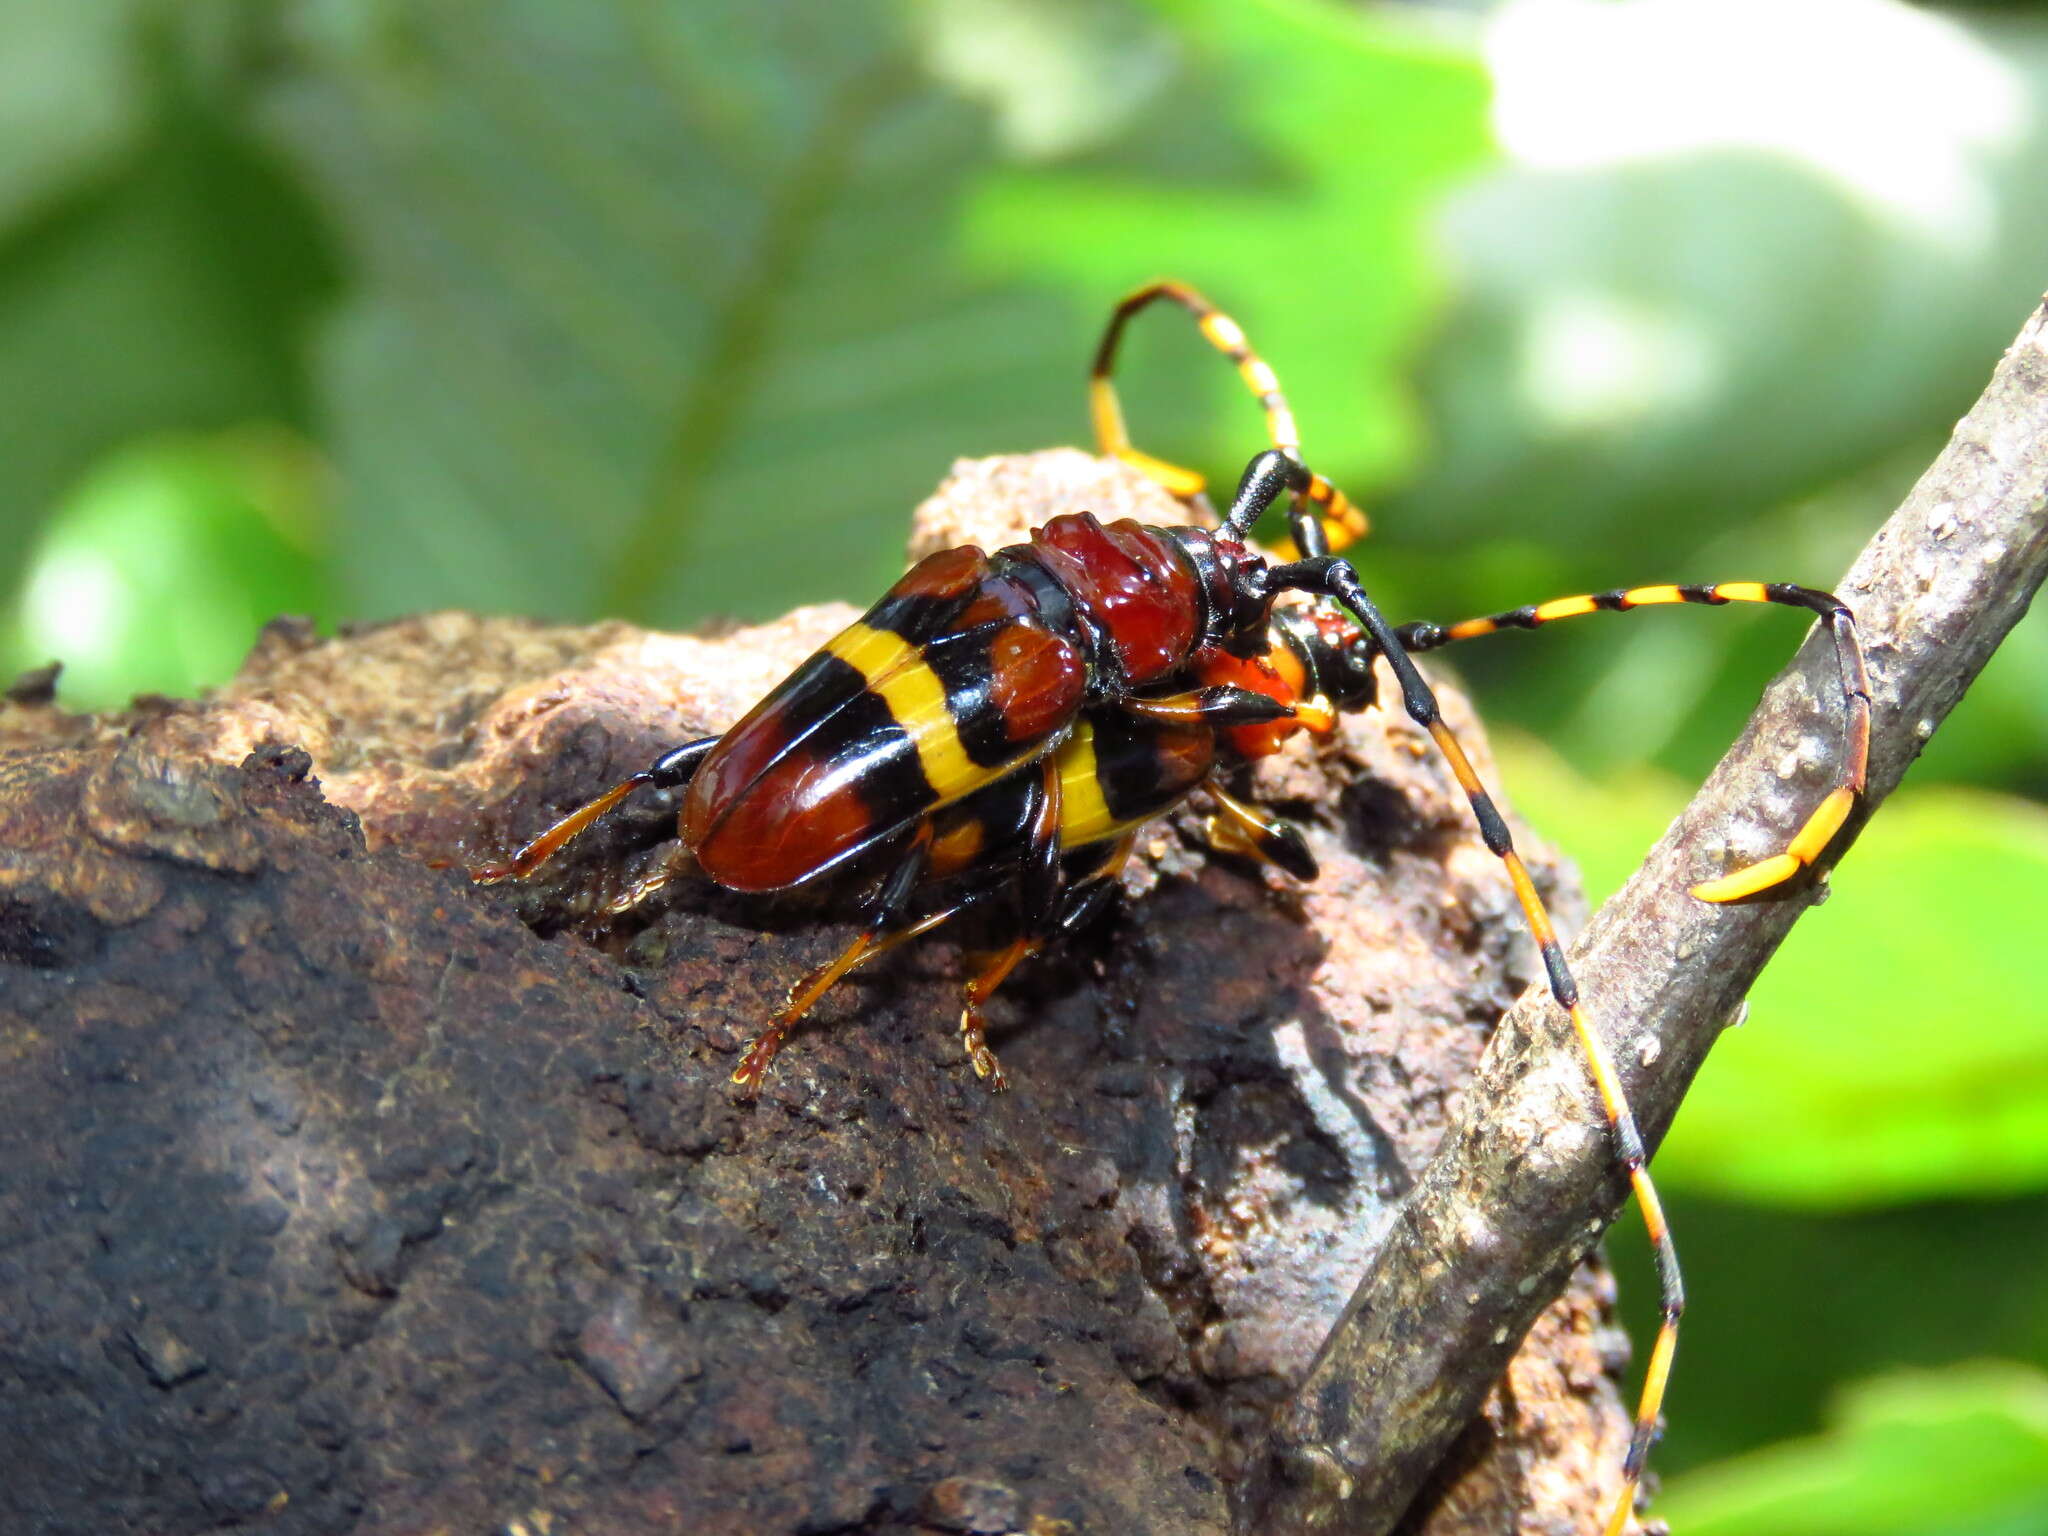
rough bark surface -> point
(339, 1196)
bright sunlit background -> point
(672, 309)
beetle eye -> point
(1253, 594)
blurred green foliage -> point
(672, 309)
(1917, 1454)
(159, 566)
(1895, 1046)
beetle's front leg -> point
(1219, 704)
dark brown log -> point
(334, 1198)
(1525, 1181)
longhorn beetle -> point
(1000, 725)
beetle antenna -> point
(1264, 479)
(1334, 577)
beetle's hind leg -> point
(1039, 882)
(675, 863)
(1071, 905)
(753, 1067)
(885, 932)
(672, 770)
(973, 1036)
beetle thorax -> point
(1138, 597)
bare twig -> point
(1525, 1182)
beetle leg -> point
(1083, 898)
(1246, 829)
(671, 770)
(1039, 887)
(753, 1067)
(648, 885)
(1078, 902)
(884, 933)
(976, 992)
(549, 843)
(1219, 704)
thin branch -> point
(1526, 1180)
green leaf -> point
(2000, 733)
(1681, 316)
(1788, 1303)
(157, 571)
(1961, 1451)
(70, 96)
(1707, 328)
(1897, 1046)
(1061, 76)
(657, 310)
(665, 311)
(1291, 175)
(169, 294)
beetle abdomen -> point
(1116, 772)
(949, 682)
